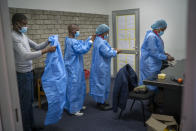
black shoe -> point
(107, 108)
(98, 104)
(103, 107)
(37, 128)
(105, 104)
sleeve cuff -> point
(115, 52)
(165, 57)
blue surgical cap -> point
(159, 24)
(102, 29)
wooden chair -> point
(40, 92)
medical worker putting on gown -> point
(24, 56)
(73, 59)
(152, 52)
(100, 67)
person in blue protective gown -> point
(152, 53)
(73, 59)
(100, 67)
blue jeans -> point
(25, 88)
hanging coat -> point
(100, 76)
(152, 54)
(125, 81)
(54, 80)
(73, 59)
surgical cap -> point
(159, 24)
(102, 29)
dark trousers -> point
(25, 88)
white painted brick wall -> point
(43, 23)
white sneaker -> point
(78, 113)
(84, 107)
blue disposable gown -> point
(54, 82)
(73, 59)
(152, 54)
(100, 70)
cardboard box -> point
(159, 122)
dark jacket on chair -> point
(125, 81)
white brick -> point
(36, 37)
(61, 30)
(57, 26)
(47, 22)
(50, 26)
(43, 17)
(35, 17)
(35, 27)
(50, 17)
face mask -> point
(106, 36)
(23, 29)
(161, 33)
(77, 34)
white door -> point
(126, 38)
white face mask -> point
(161, 33)
(106, 36)
(77, 34)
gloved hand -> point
(170, 58)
